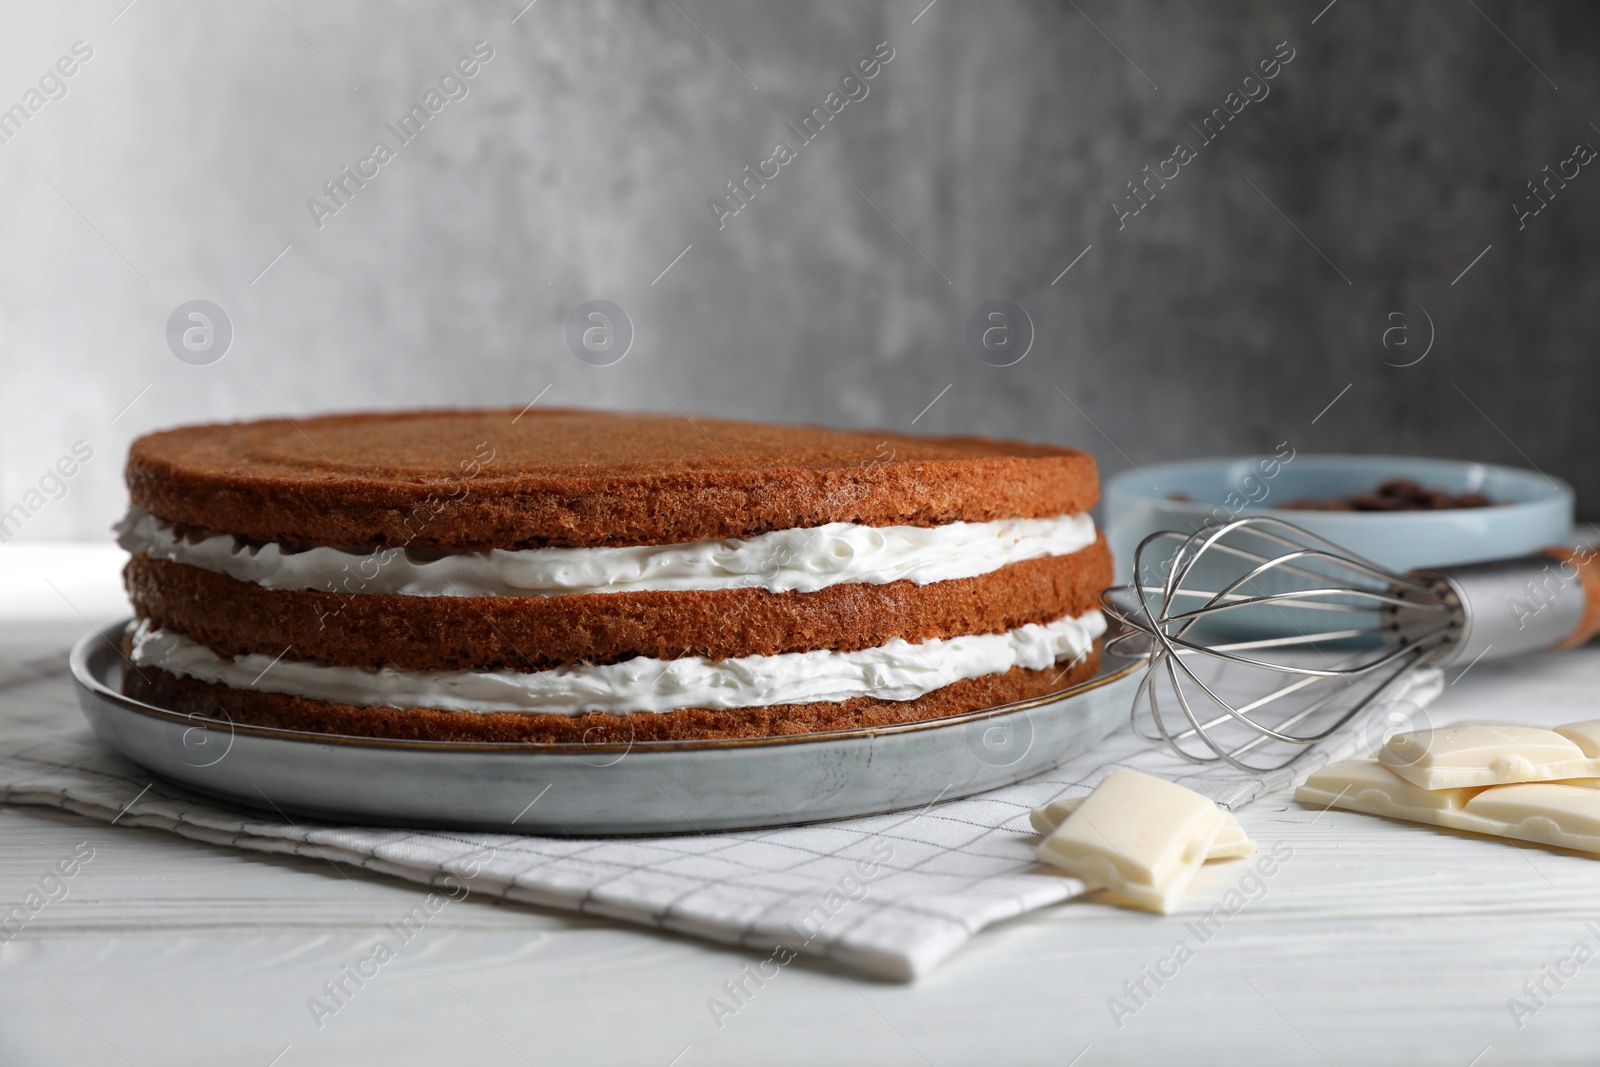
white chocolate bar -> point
(1564, 814)
(1472, 755)
(1138, 836)
(1231, 843)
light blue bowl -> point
(1531, 511)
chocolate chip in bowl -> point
(1393, 494)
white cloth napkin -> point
(892, 895)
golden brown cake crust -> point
(232, 617)
(256, 708)
(504, 479)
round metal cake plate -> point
(659, 787)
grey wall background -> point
(1224, 317)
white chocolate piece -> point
(1141, 837)
(1367, 785)
(1231, 843)
(1549, 813)
(1483, 754)
(1586, 735)
(1564, 814)
(1045, 819)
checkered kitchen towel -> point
(892, 895)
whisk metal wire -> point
(1231, 594)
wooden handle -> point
(1586, 563)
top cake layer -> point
(500, 479)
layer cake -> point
(580, 576)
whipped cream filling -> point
(799, 560)
(899, 670)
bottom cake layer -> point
(256, 708)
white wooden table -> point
(1377, 942)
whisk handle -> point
(1586, 561)
(1550, 599)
